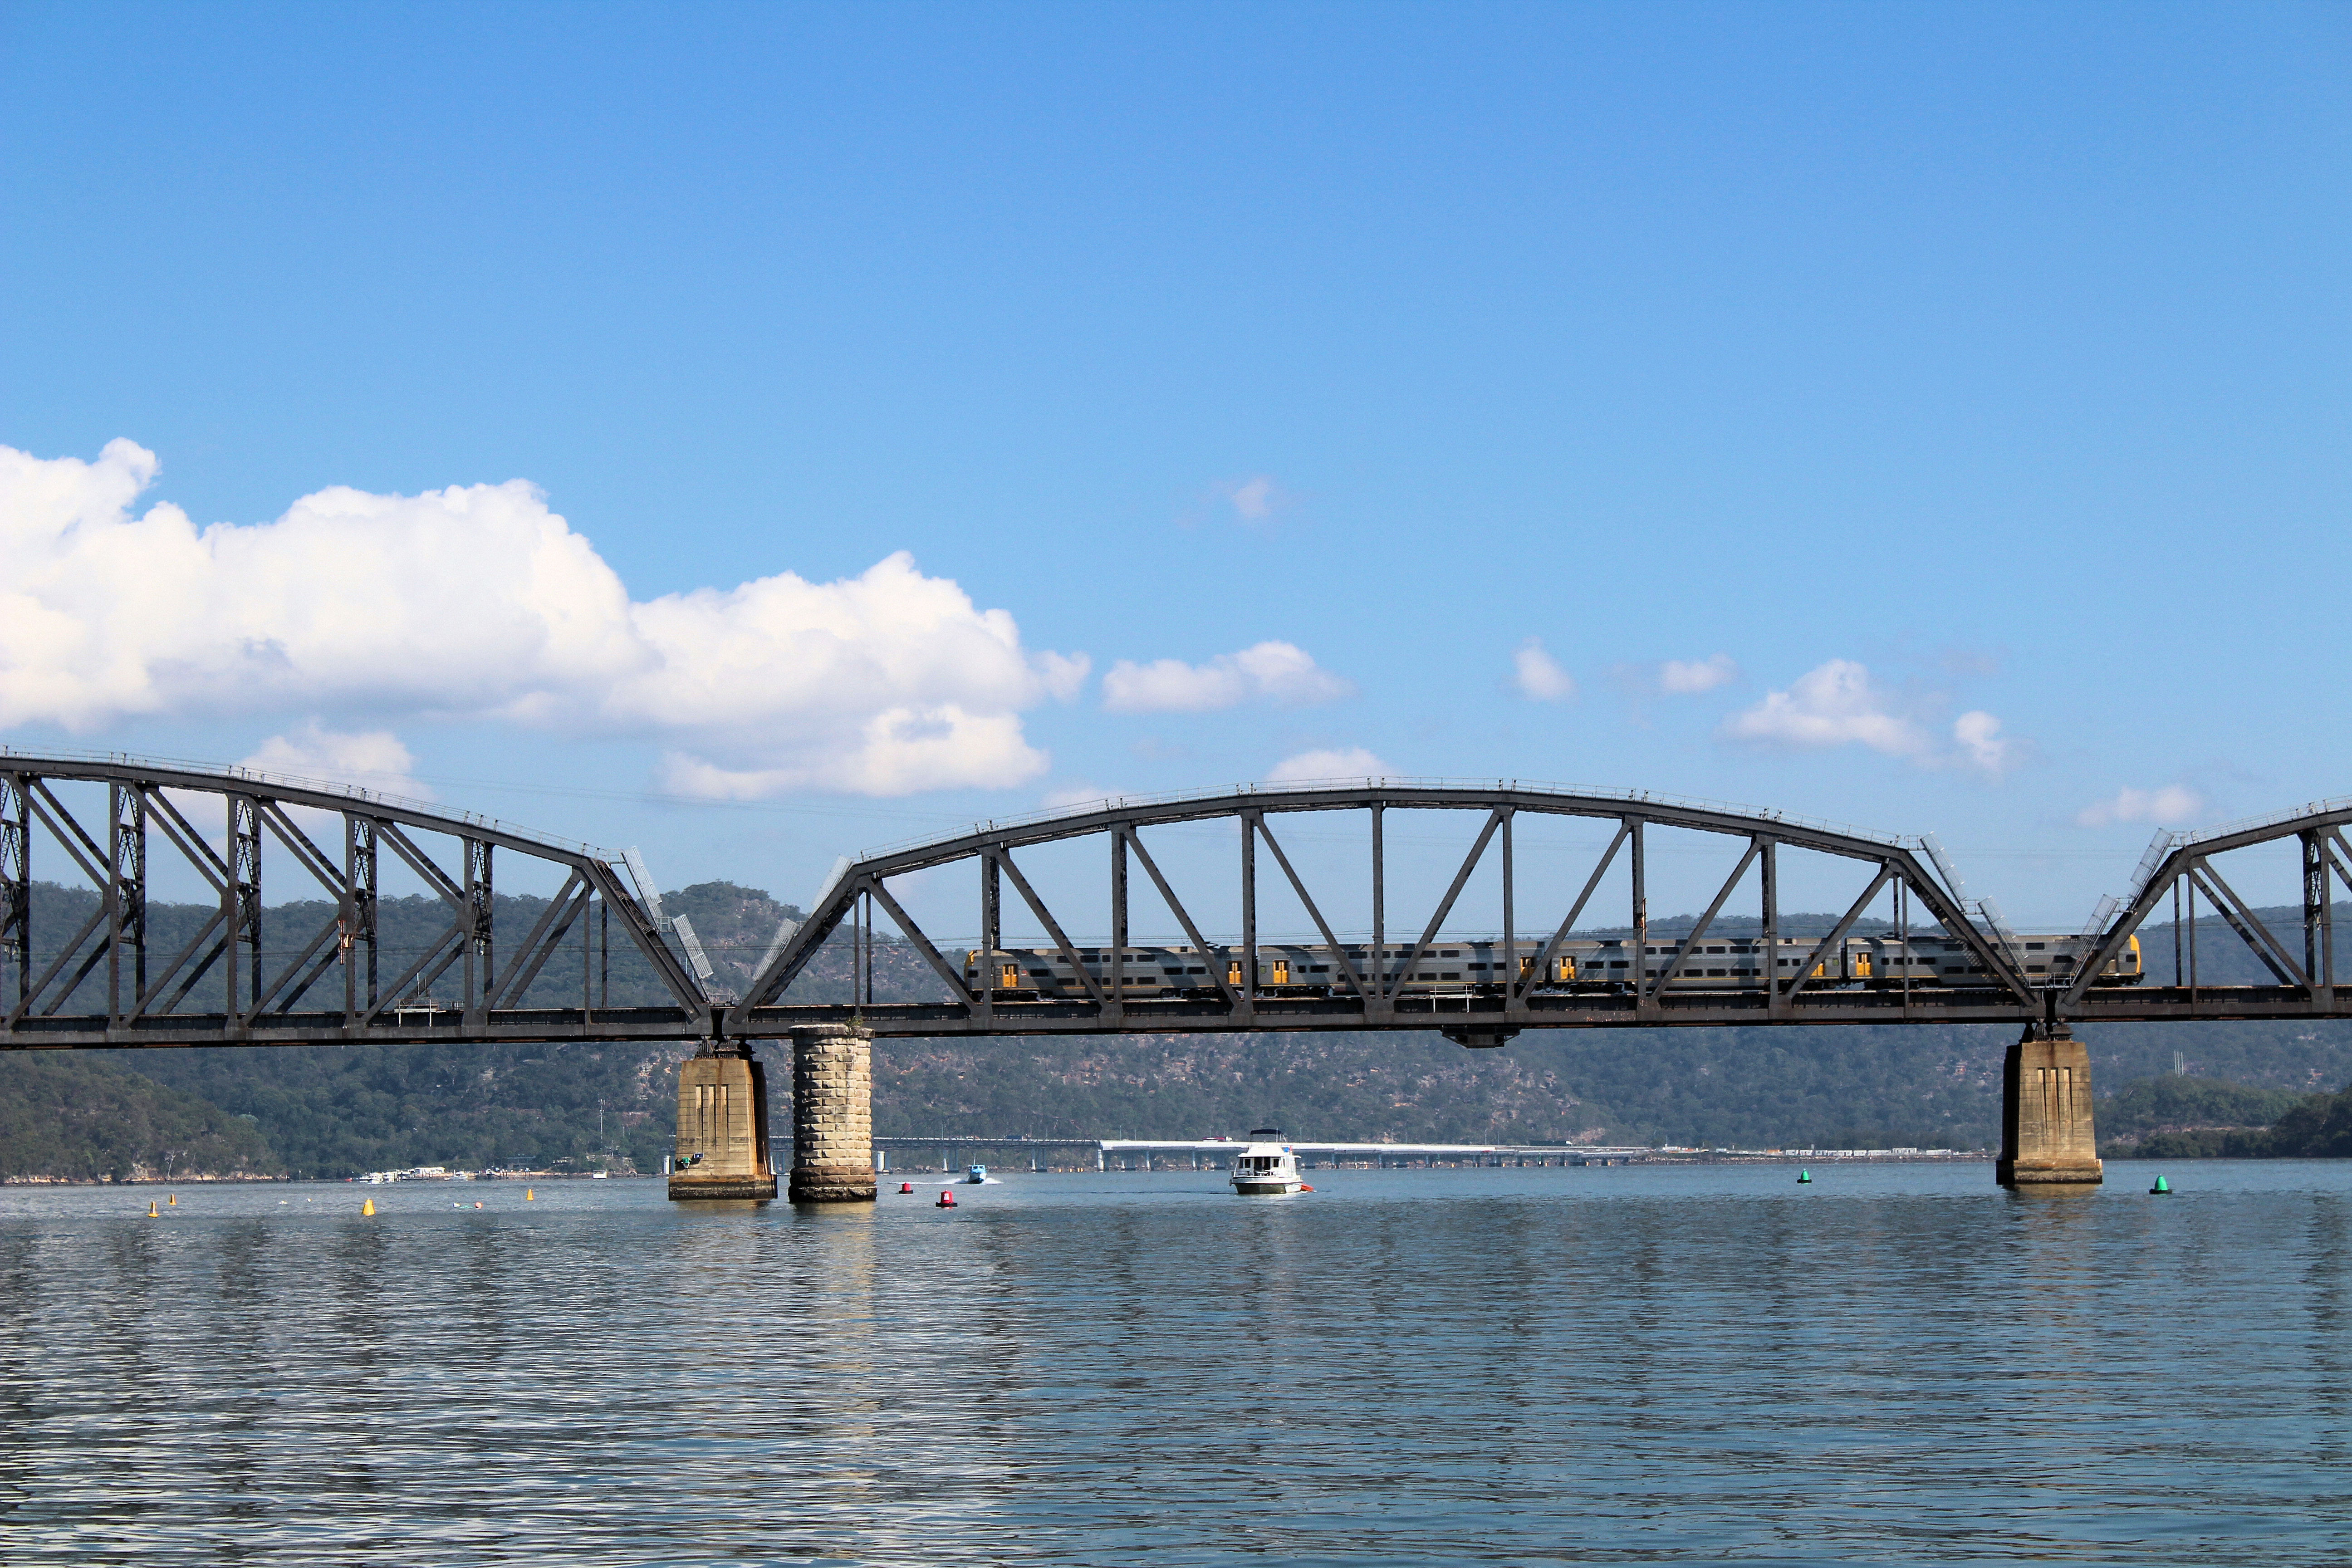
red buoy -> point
(947, 1201)
(906, 1186)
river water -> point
(1637, 1364)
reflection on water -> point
(1600, 1366)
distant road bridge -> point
(333, 985)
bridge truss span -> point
(1369, 983)
(95, 979)
(2183, 869)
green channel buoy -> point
(1803, 1176)
(2161, 1187)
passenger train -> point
(1592, 966)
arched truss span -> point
(225, 984)
(1360, 998)
(2179, 867)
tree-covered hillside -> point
(73, 1117)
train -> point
(1594, 966)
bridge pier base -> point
(2047, 1142)
(833, 1115)
(722, 1127)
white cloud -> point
(1258, 500)
(1069, 794)
(1271, 671)
(1538, 675)
(1687, 677)
(1355, 762)
(373, 760)
(1983, 746)
(1836, 704)
(479, 601)
(2168, 804)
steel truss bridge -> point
(224, 987)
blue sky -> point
(1932, 417)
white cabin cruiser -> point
(1268, 1169)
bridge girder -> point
(2179, 863)
(146, 1003)
(1890, 865)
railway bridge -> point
(98, 982)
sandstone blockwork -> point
(832, 1116)
(722, 1130)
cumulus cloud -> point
(1538, 676)
(479, 602)
(2166, 804)
(1687, 676)
(1983, 746)
(1271, 671)
(374, 758)
(1839, 703)
(1355, 762)
(1836, 704)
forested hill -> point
(71, 1116)
(334, 1111)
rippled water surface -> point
(1635, 1364)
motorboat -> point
(977, 1175)
(1265, 1170)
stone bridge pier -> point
(833, 1115)
(722, 1120)
(2047, 1142)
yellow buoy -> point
(368, 1207)
(171, 1202)
(527, 1195)
(151, 1208)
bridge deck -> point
(1681, 1009)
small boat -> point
(977, 1175)
(1266, 1170)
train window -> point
(2035, 946)
(1715, 950)
(1453, 975)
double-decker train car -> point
(1604, 966)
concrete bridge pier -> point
(832, 1115)
(722, 1127)
(2047, 1143)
